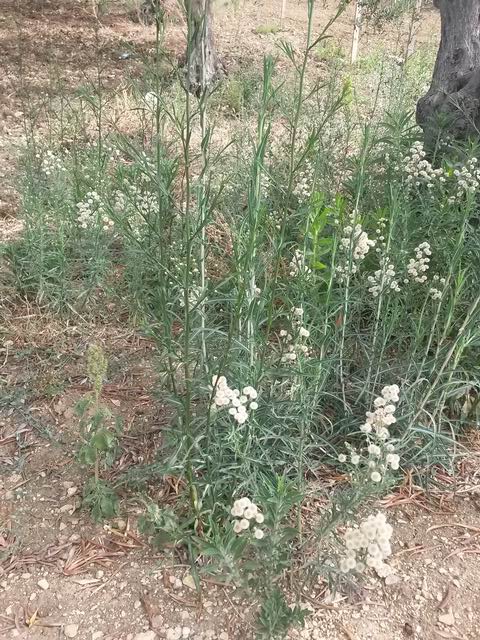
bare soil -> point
(62, 575)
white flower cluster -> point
(277, 219)
(468, 180)
(418, 169)
(92, 213)
(112, 153)
(418, 266)
(244, 510)
(435, 292)
(354, 246)
(303, 187)
(293, 345)
(392, 459)
(151, 100)
(380, 449)
(368, 546)
(379, 420)
(354, 457)
(194, 296)
(136, 205)
(238, 404)
(121, 203)
(298, 265)
(51, 163)
(265, 184)
(383, 278)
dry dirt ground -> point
(61, 575)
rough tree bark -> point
(452, 104)
(357, 29)
(148, 10)
(202, 61)
(202, 64)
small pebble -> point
(174, 634)
(145, 635)
(447, 618)
(70, 630)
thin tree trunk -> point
(282, 14)
(202, 62)
(412, 32)
(452, 104)
(357, 29)
(148, 11)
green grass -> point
(330, 52)
(265, 29)
(239, 92)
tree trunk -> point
(149, 11)
(357, 28)
(282, 14)
(202, 62)
(452, 105)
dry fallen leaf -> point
(85, 581)
(32, 619)
(189, 582)
(446, 597)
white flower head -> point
(250, 512)
(244, 502)
(237, 509)
(237, 527)
(374, 450)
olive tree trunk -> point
(202, 61)
(452, 104)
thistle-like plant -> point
(100, 439)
